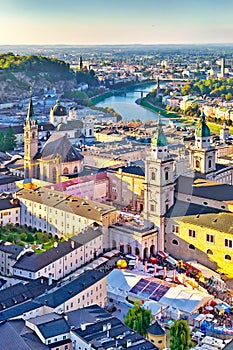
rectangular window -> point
(175, 229)
(210, 238)
(192, 233)
(228, 243)
(152, 207)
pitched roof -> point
(54, 328)
(156, 329)
(182, 208)
(71, 289)
(7, 203)
(59, 145)
(10, 339)
(88, 235)
(11, 249)
(204, 188)
(61, 201)
(220, 222)
(20, 292)
(35, 262)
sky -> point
(97, 22)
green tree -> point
(2, 142)
(138, 318)
(186, 89)
(180, 336)
(10, 139)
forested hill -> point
(18, 73)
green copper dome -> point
(159, 139)
(58, 110)
(202, 129)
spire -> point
(202, 129)
(30, 114)
(159, 139)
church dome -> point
(58, 110)
(159, 139)
(202, 129)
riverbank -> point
(214, 128)
(120, 90)
(144, 103)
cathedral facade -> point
(58, 157)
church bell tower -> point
(30, 142)
(159, 182)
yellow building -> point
(109, 135)
(211, 234)
(157, 335)
(126, 186)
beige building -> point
(64, 258)
(62, 214)
(139, 238)
(9, 211)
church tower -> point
(202, 155)
(159, 182)
(30, 141)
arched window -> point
(65, 171)
(227, 257)
(153, 175)
(75, 169)
(27, 135)
(191, 246)
(90, 132)
(166, 175)
(210, 163)
(175, 242)
(210, 252)
(33, 134)
(197, 164)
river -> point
(125, 104)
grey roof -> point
(7, 179)
(15, 335)
(70, 125)
(21, 292)
(34, 262)
(59, 145)
(89, 314)
(54, 328)
(94, 334)
(181, 208)
(17, 310)
(6, 203)
(11, 249)
(156, 329)
(88, 235)
(10, 339)
(132, 169)
(204, 188)
(71, 289)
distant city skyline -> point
(101, 22)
